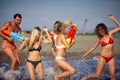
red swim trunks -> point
(9, 49)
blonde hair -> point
(59, 28)
(67, 22)
(34, 33)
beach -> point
(83, 68)
(82, 44)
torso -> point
(13, 28)
(107, 46)
(59, 46)
(34, 53)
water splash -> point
(83, 68)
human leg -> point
(17, 56)
(18, 62)
(9, 52)
(13, 62)
(69, 70)
(39, 70)
(30, 69)
(99, 69)
(111, 66)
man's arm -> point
(4, 27)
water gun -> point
(14, 35)
(71, 33)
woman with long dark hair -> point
(105, 38)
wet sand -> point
(82, 44)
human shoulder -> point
(7, 23)
(61, 35)
(110, 34)
(98, 39)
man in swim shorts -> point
(8, 46)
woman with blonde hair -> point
(61, 52)
(34, 62)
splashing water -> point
(83, 68)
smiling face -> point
(17, 20)
(101, 30)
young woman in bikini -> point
(61, 52)
(105, 38)
(66, 23)
(34, 62)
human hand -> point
(26, 38)
(111, 16)
(84, 57)
(73, 41)
(45, 28)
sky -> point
(46, 12)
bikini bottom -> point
(34, 63)
(107, 59)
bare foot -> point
(56, 77)
(84, 78)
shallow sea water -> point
(83, 68)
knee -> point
(98, 75)
(113, 76)
(72, 71)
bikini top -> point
(60, 46)
(36, 49)
(103, 43)
(54, 37)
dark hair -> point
(17, 15)
(57, 22)
(103, 26)
(36, 27)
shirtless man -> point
(8, 46)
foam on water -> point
(83, 68)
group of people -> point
(58, 39)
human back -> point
(59, 45)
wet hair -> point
(102, 26)
(34, 33)
(17, 15)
